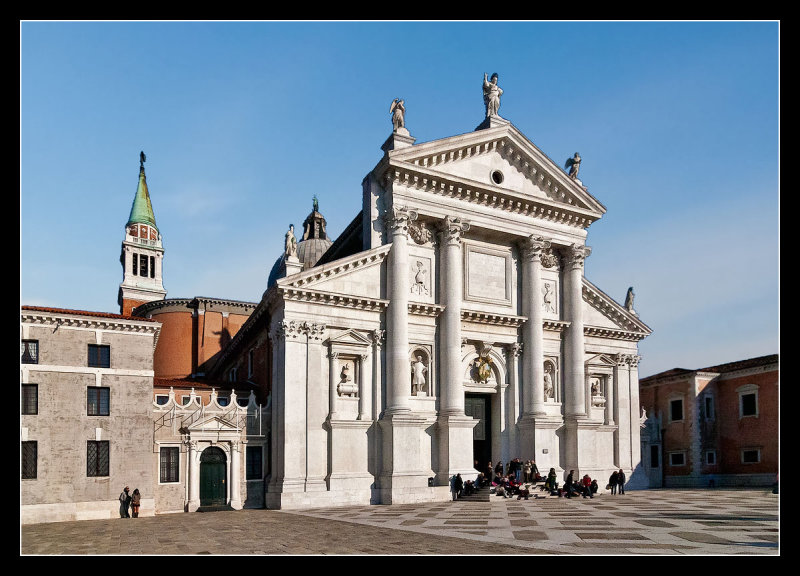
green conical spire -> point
(142, 209)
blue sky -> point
(242, 123)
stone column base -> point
(455, 448)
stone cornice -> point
(555, 325)
(290, 293)
(492, 318)
(422, 309)
(484, 194)
(613, 333)
(87, 322)
(360, 260)
(603, 303)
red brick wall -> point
(173, 355)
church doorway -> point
(479, 407)
(212, 477)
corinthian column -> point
(452, 396)
(574, 342)
(533, 332)
(399, 375)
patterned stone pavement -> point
(658, 522)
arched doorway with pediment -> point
(213, 473)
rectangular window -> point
(709, 407)
(135, 264)
(254, 466)
(29, 459)
(152, 267)
(143, 266)
(676, 410)
(169, 464)
(30, 352)
(749, 405)
(97, 401)
(97, 458)
(677, 459)
(751, 456)
(655, 460)
(30, 398)
(99, 356)
(711, 457)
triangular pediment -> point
(212, 424)
(524, 169)
(350, 338)
(358, 275)
(603, 316)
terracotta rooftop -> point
(719, 368)
(85, 313)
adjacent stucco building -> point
(714, 426)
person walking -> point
(458, 486)
(124, 503)
(612, 482)
(621, 481)
(136, 501)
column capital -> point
(533, 248)
(622, 359)
(378, 337)
(576, 254)
(398, 218)
(515, 350)
(451, 229)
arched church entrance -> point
(212, 477)
(479, 407)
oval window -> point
(497, 177)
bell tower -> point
(142, 252)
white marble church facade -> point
(463, 329)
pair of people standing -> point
(129, 501)
(617, 480)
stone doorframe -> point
(232, 448)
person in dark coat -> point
(621, 481)
(612, 482)
(458, 486)
(124, 503)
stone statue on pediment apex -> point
(491, 94)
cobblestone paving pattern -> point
(660, 522)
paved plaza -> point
(688, 522)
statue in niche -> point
(398, 111)
(548, 381)
(573, 164)
(290, 249)
(418, 383)
(595, 387)
(491, 94)
(420, 285)
(547, 303)
(346, 385)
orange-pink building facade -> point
(716, 426)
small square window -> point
(676, 410)
(29, 460)
(169, 458)
(30, 398)
(29, 352)
(751, 456)
(711, 458)
(749, 405)
(677, 459)
(97, 401)
(99, 356)
(97, 458)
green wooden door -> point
(212, 477)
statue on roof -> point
(629, 300)
(290, 249)
(398, 111)
(316, 204)
(142, 159)
(573, 164)
(491, 94)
